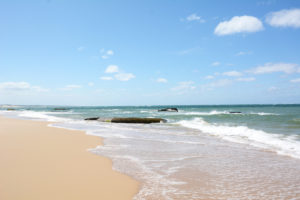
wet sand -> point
(41, 162)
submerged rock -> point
(137, 120)
(98, 119)
(10, 109)
(168, 110)
(127, 120)
(235, 112)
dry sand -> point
(38, 162)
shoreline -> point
(44, 162)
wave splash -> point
(284, 145)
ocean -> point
(201, 152)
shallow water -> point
(201, 153)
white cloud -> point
(284, 18)
(195, 17)
(91, 84)
(112, 69)
(287, 68)
(106, 78)
(209, 77)
(215, 63)
(248, 79)
(295, 80)
(20, 86)
(124, 76)
(80, 49)
(70, 87)
(232, 73)
(162, 80)
(119, 75)
(239, 24)
(184, 86)
(106, 54)
(110, 52)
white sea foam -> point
(275, 142)
(215, 112)
(262, 113)
(45, 116)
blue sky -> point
(149, 52)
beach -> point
(200, 152)
(42, 162)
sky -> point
(142, 52)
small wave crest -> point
(262, 113)
(284, 145)
(215, 112)
(45, 116)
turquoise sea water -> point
(283, 119)
(202, 152)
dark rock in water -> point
(168, 110)
(57, 109)
(10, 109)
(127, 120)
(92, 118)
(137, 120)
(235, 112)
(98, 119)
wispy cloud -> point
(112, 69)
(70, 87)
(232, 73)
(105, 54)
(284, 18)
(273, 89)
(215, 63)
(287, 68)
(183, 87)
(80, 48)
(106, 78)
(295, 80)
(91, 84)
(124, 76)
(161, 80)
(209, 77)
(187, 51)
(239, 24)
(20, 86)
(218, 83)
(246, 79)
(242, 53)
(266, 3)
(195, 17)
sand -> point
(38, 162)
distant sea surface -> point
(202, 152)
